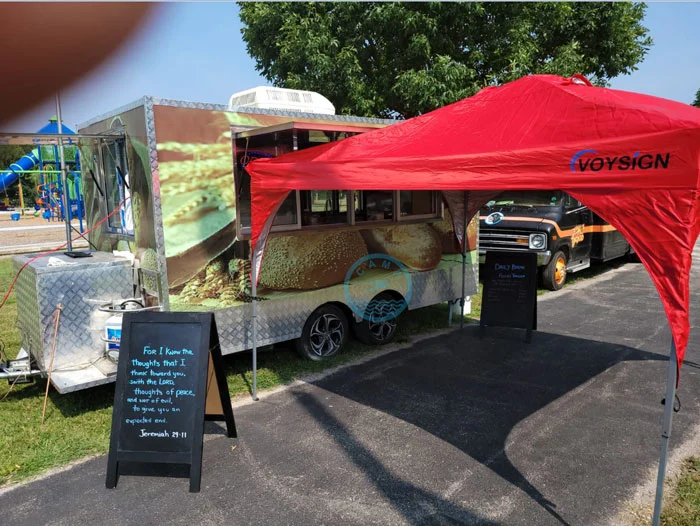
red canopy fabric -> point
(633, 159)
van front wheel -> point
(554, 274)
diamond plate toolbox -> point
(80, 286)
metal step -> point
(575, 266)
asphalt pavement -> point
(452, 430)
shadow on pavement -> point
(470, 393)
(416, 505)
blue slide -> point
(27, 162)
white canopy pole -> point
(255, 326)
(464, 258)
(666, 431)
(256, 256)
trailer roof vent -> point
(270, 98)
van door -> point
(608, 242)
(578, 218)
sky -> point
(194, 51)
(185, 51)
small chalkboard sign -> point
(510, 291)
(170, 379)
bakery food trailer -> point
(167, 204)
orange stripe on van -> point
(562, 233)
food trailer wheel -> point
(378, 326)
(324, 334)
(554, 274)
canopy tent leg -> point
(464, 259)
(666, 431)
(255, 329)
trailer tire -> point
(324, 333)
(554, 274)
(372, 332)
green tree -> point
(696, 102)
(403, 59)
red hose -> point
(64, 245)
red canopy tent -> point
(633, 159)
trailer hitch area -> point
(131, 304)
(19, 370)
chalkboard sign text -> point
(510, 291)
(170, 379)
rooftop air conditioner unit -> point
(270, 98)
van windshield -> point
(527, 198)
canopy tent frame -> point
(464, 262)
(671, 379)
(633, 159)
(665, 433)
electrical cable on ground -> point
(10, 389)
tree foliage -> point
(403, 59)
(696, 102)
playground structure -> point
(44, 160)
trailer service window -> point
(421, 203)
(374, 205)
(330, 207)
(324, 207)
(308, 209)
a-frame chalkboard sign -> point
(510, 292)
(170, 379)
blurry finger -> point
(47, 46)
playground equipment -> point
(45, 161)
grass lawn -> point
(78, 424)
(683, 508)
(75, 426)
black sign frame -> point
(526, 316)
(209, 360)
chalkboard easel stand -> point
(223, 411)
(147, 330)
(509, 296)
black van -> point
(565, 234)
